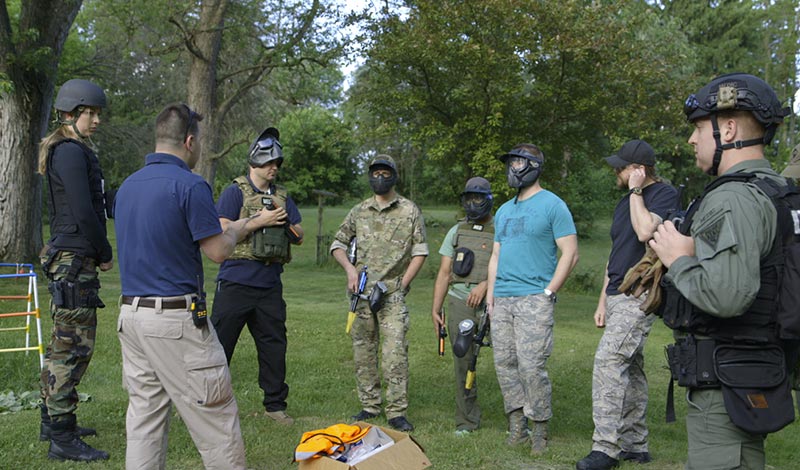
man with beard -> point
(619, 384)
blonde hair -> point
(59, 134)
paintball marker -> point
(362, 283)
(442, 334)
(468, 337)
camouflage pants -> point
(468, 412)
(619, 384)
(522, 339)
(714, 441)
(388, 328)
(71, 345)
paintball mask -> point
(522, 168)
(266, 148)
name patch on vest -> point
(477, 227)
(266, 202)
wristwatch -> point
(636, 190)
(551, 296)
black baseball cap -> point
(635, 151)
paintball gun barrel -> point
(442, 334)
(362, 283)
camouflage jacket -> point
(388, 237)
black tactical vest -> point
(757, 324)
(64, 229)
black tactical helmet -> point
(266, 148)
(736, 92)
(78, 92)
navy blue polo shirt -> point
(245, 271)
(626, 249)
(162, 212)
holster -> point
(691, 362)
(376, 297)
(72, 295)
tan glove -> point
(653, 300)
(631, 284)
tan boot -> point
(517, 428)
(539, 437)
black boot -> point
(44, 427)
(65, 444)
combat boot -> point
(517, 428)
(539, 437)
(66, 445)
(44, 427)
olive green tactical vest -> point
(480, 239)
(267, 244)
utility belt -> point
(78, 294)
(752, 376)
(70, 292)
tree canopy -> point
(445, 87)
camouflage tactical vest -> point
(267, 244)
(478, 238)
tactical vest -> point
(267, 244)
(62, 220)
(477, 239)
(757, 324)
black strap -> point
(670, 411)
(74, 268)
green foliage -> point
(318, 150)
(10, 402)
(453, 82)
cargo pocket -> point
(717, 457)
(208, 377)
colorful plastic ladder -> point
(21, 271)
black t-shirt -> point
(626, 249)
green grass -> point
(322, 386)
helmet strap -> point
(733, 145)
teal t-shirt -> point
(527, 232)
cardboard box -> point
(404, 454)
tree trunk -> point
(202, 86)
(24, 112)
(20, 186)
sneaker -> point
(364, 415)
(280, 416)
(400, 423)
(597, 460)
(638, 457)
(463, 432)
